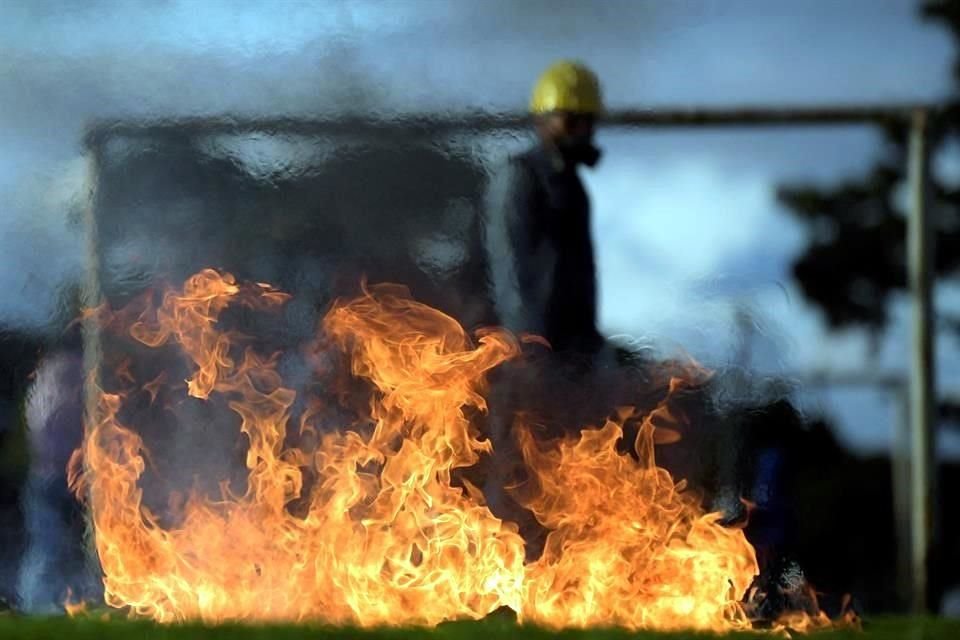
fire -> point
(368, 524)
(74, 608)
(627, 546)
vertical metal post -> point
(920, 264)
(91, 295)
(900, 474)
(92, 350)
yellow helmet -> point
(567, 86)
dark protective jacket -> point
(539, 248)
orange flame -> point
(398, 545)
(627, 546)
(73, 608)
(387, 536)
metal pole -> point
(900, 475)
(920, 259)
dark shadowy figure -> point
(56, 566)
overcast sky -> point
(686, 225)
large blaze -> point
(371, 524)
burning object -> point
(368, 523)
(230, 475)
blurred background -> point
(775, 251)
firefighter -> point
(537, 229)
(543, 280)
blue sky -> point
(686, 225)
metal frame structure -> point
(485, 122)
(915, 117)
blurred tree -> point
(857, 254)
(856, 259)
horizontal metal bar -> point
(767, 116)
(825, 378)
(403, 125)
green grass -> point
(89, 628)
